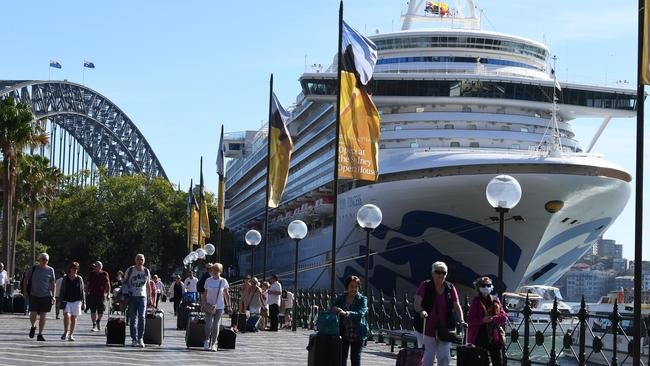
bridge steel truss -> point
(107, 135)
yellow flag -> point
(280, 146)
(359, 119)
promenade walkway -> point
(260, 349)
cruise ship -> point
(458, 105)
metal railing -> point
(565, 338)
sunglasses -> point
(440, 272)
(485, 285)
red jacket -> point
(475, 320)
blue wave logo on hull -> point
(419, 254)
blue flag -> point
(55, 64)
(89, 64)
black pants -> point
(355, 352)
(176, 304)
(495, 351)
(274, 311)
(157, 299)
(2, 299)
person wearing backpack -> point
(437, 301)
(41, 288)
(486, 319)
(136, 281)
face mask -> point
(485, 290)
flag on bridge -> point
(280, 146)
(359, 119)
(55, 64)
(89, 65)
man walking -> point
(41, 288)
(275, 291)
(99, 286)
(137, 279)
(159, 290)
(3, 284)
(190, 286)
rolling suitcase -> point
(19, 304)
(8, 304)
(227, 339)
(324, 350)
(253, 323)
(154, 327)
(410, 357)
(183, 312)
(115, 332)
(239, 322)
(195, 332)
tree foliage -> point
(117, 219)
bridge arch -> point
(105, 133)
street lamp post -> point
(503, 192)
(253, 237)
(369, 217)
(297, 231)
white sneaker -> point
(94, 329)
(213, 348)
(206, 345)
(141, 343)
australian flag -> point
(55, 64)
(89, 64)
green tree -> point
(36, 187)
(18, 129)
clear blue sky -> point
(180, 69)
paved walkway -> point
(262, 348)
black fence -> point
(552, 337)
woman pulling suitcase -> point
(214, 302)
(485, 321)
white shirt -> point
(289, 300)
(159, 287)
(190, 284)
(275, 299)
(214, 291)
(3, 278)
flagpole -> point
(191, 213)
(336, 153)
(638, 204)
(83, 74)
(268, 179)
(200, 208)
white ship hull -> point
(447, 218)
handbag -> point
(327, 323)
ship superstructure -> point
(457, 107)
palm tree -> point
(18, 129)
(36, 188)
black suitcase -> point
(253, 323)
(324, 350)
(227, 339)
(154, 327)
(195, 332)
(115, 332)
(239, 321)
(472, 356)
(183, 312)
(19, 304)
(8, 304)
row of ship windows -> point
(449, 126)
(480, 89)
(399, 60)
(472, 144)
(462, 42)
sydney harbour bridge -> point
(87, 131)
